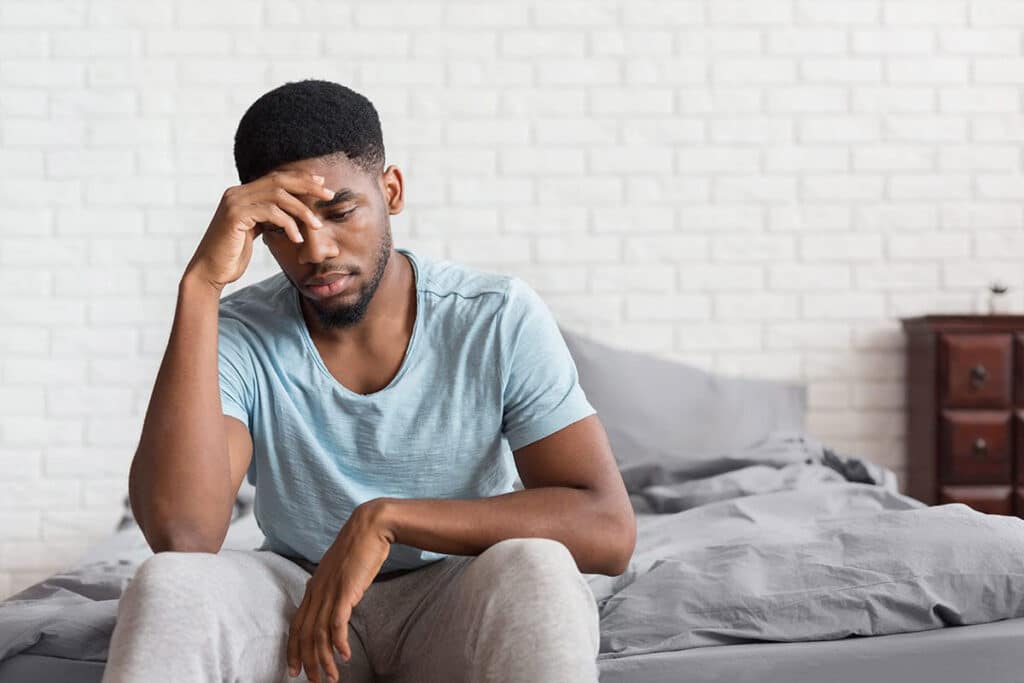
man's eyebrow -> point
(340, 196)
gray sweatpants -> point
(520, 611)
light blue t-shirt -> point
(485, 373)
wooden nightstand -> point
(965, 411)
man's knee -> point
(534, 565)
(174, 577)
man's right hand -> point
(224, 252)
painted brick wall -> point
(762, 188)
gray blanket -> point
(783, 541)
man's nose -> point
(319, 245)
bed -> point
(762, 555)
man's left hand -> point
(345, 571)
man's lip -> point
(325, 280)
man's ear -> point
(392, 186)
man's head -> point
(326, 129)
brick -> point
(626, 220)
(620, 43)
(575, 14)
(755, 188)
(893, 42)
(978, 158)
(96, 42)
(737, 12)
(581, 71)
(717, 160)
(632, 278)
(662, 13)
(604, 101)
(842, 247)
(843, 306)
(710, 336)
(921, 12)
(805, 158)
(714, 218)
(941, 187)
(574, 249)
(834, 187)
(980, 41)
(752, 248)
(633, 159)
(807, 335)
(544, 220)
(665, 248)
(841, 70)
(802, 277)
(893, 158)
(720, 277)
(897, 276)
(667, 307)
(803, 217)
(929, 246)
(767, 70)
(756, 306)
(803, 41)
(807, 99)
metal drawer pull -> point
(978, 375)
(980, 446)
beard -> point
(345, 315)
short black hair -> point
(306, 119)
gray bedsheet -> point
(783, 541)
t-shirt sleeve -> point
(234, 365)
(541, 393)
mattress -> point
(983, 652)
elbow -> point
(170, 539)
(626, 545)
(620, 546)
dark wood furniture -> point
(965, 411)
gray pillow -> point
(657, 409)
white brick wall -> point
(757, 187)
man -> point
(368, 393)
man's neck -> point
(388, 310)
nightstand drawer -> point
(975, 370)
(994, 500)
(975, 447)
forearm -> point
(576, 517)
(180, 479)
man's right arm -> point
(191, 457)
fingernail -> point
(318, 178)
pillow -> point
(657, 409)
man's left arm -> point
(573, 493)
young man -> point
(383, 404)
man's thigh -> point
(520, 611)
(203, 616)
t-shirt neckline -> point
(410, 348)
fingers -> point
(274, 214)
(291, 204)
(307, 646)
(294, 659)
(339, 628)
(296, 182)
(324, 646)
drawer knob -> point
(978, 375)
(980, 446)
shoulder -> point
(442, 279)
(256, 306)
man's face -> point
(355, 239)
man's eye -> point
(339, 217)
